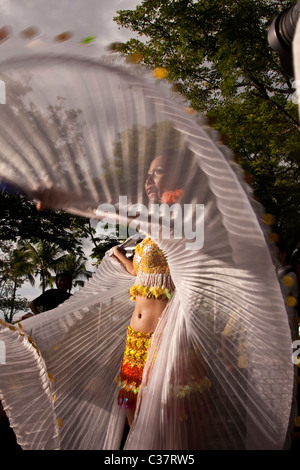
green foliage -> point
(43, 258)
(217, 54)
(20, 219)
(99, 251)
(14, 270)
(75, 265)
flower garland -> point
(170, 197)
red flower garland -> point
(170, 197)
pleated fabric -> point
(79, 135)
(296, 63)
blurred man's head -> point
(64, 281)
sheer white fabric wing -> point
(296, 63)
(77, 135)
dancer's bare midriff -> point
(146, 314)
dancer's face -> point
(156, 182)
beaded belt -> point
(130, 377)
(153, 286)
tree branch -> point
(263, 93)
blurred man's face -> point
(63, 283)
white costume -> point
(77, 134)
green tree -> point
(75, 265)
(19, 217)
(20, 220)
(217, 55)
(44, 258)
(14, 270)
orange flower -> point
(160, 73)
(170, 197)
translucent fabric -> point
(79, 135)
(296, 63)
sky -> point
(49, 18)
(52, 17)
